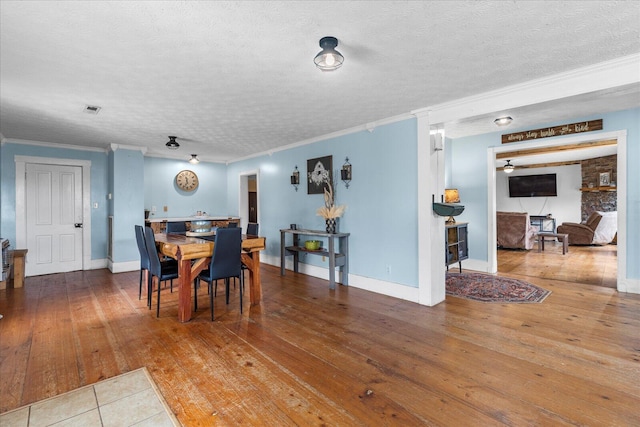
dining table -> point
(194, 255)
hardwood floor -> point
(311, 356)
(591, 265)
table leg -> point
(296, 254)
(252, 261)
(565, 244)
(344, 249)
(282, 253)
(332, 264)
(184, 289)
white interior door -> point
(53, 218)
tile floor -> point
(130, 399)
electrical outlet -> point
(388, 269)
(95, 205)
(153, 208)
(323, 258)
(165, 208)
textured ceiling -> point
(232, 79)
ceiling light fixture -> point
(194, 160)
(503, 121)
(508, 168)
(329, 58)
(172, 144)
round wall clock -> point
(187, 180)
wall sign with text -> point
(568, 129)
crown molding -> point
(52, 145)
(604, 75)
(369, 127)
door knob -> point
(78, 225)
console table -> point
(339, 258)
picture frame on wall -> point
(605, 179)
(319, 174)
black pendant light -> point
(508, 168)
(172, 144)
(329, 58)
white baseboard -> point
(391, 289)
(631, 286)
(472, 264)
(121, 267)
(97, 264)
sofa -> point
(600, 228)
(515, 230)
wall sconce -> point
(508, 168)
(345, 172)
(295, 178)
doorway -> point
(253, 199)
(620, 137)
(249, 200)
(66, 245)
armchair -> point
(599, 229)
(514, 230)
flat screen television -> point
(533, 185)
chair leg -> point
(171, 285)
(196, 284)
(158, 305)
(140, 287)
(226, 285)
(241, 288)
(211, 298)
(149, 290)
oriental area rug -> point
(490, 288)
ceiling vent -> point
(92, 109)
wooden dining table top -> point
(174, 245)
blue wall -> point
(160, 188)
(99, 177)
(127, 202)
(468, 167)
(381, 201)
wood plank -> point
(555, 149)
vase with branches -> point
(330, 212)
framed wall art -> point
(319, 174)
(605, 179)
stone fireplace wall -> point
(603, 201)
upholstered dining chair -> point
(160, 270)
(252, 229)
(176, 227)
(144, 260)
(225, 264)
(232, 224)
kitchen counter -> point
(159, 224)
(193, 218)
